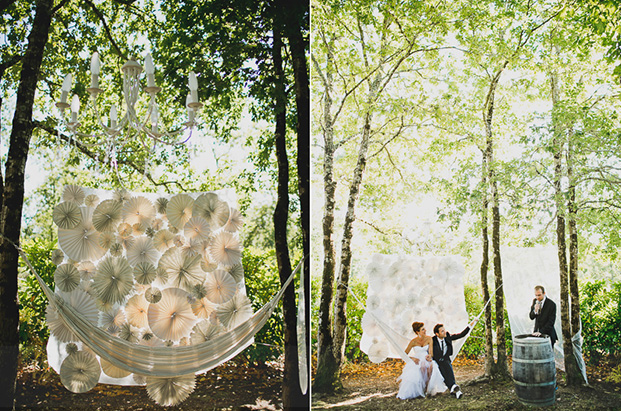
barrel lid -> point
(529, 338)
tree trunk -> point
(499, 368)
(13, 199)
(327, 376)
(571, 367)
(291, 394)
(340, 317)
(489, 343)
(299, 47)
(573, 378)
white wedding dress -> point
(415, 377)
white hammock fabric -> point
(161, 361)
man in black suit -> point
(442, 351)
(543, 311)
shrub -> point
(600, 312)
(33, 331)
(262, 282)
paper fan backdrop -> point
(404, 289)
(151, 269)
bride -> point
(421, 376)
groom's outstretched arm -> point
(461, 334)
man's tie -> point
(442, 342)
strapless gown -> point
(415, 377)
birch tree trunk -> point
(499, 369)
(327, 377)
(574, 377)
(489, 343)
(13, 199)
(559, 199)
(340, 317)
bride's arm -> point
(430, 356)
(409, 348)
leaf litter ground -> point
(368, 386)
(231, 386)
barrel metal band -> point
(540, 384)
(533, 361)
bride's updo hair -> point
(416, 326)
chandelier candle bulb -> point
(95, 70)
(150, 69)
(65, 88)
(75, 108)
(188, 100)
(193, 84)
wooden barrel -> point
(534, 372)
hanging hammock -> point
(161, 361)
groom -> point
(442, 351)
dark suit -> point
(444, 360)
(544, 321)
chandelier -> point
(132, 126)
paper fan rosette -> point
(80, 372)
(172, 317)
(213, 210)
(150, 269)
(81, 242)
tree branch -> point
(102, 18)
(94, 156)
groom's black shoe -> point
(454, 388)
(458, 394)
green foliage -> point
(600, 312)
(355, 311)
(33, 331)
(262, 282)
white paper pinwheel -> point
(179, 210)
(81, 242)
(67, 215)
(236, 221)
(136, 311)
(221, 287)
(74, 194)
(142, 251)
(170, 391)
(205, 330)
(114, 280)
(225, 248)
(172, 317)
(80, 372)
(112, 370)
(215, 211)
(138, 210)
(235, 311)
(107, 216)
(66, 277)
(183, 272)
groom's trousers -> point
(446, 369)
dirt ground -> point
(230, 386)
(374, 387)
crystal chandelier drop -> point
(132, 126)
